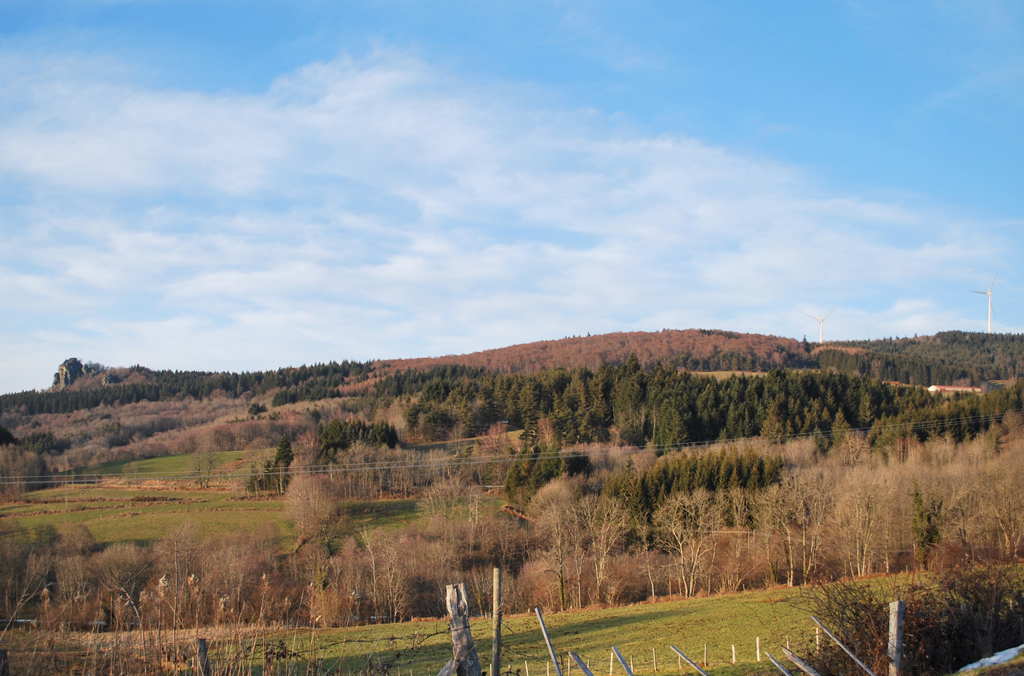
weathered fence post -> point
(897, 609)
(734, 653)
(654, 656)
(584, 667)
(758, 648)
(202, 657)
(778, 666)
(800, 664)
(5, 664)
(465, 661)
(547, 640)
(841, 645)
(622, 660)
(496, 625)
(693, 664)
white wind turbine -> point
(821, 325)
(989, 294)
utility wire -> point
(455, 462)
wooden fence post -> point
(693, 664)
(547, 640)
(897, 609)
(496, 625)
(758, 648)
(734, 653)
(654, 656)
(841, 645)
(782, 669)
(800, 664)
(622, 660)
(202, 657)
(584, 667)
(467, 662)
(5, 664)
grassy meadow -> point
(147, 500)
(421, 648)
(174, 466)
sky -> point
(250, 185)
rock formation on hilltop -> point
(70, 371)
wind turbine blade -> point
(812, 316)
(829, 312)
(992, 284)
(983, 293)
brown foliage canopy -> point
(615, 348)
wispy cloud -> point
(379, 207)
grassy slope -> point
(164, 466)
(117, 514)
(719, 621)
(145, 514)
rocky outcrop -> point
(70, 371)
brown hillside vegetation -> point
(614, 348)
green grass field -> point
(146, 514)
(177, 466)
(718, 621)
(421, 648)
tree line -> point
(665, 408)
(305, 383)
(947, 358)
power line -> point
(456, 462)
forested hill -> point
(692, 350)
(695, 350)
(947, 358)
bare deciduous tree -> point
(555, 512)
(313, 504)
(607, 522)
(385, 562)
(686, 525)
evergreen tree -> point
(925, 527)
(278, 467)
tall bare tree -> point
(607, 522)
(313, 503)
(686, 526)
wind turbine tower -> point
(821, 325)
(989, 294)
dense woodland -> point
(948, 358)
(658, 408)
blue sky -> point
(238, 185)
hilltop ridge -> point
(692, 349)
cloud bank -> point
(380, 207)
